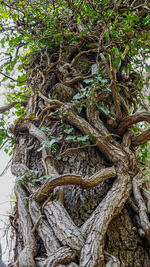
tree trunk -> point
(88, 210)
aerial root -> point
(137, 183)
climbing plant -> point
(74, 73)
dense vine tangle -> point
(76, 106)
(65, 240)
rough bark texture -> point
(78, 213)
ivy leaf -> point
(88, 80)
(44, 177)
(35, 180)
(17, 106)
(68, 131)
(52, 142)
(71, 137)
(103, 109)
(77, 97)
(32, 116)
(83, 138)
(92, 137)
(79, 109)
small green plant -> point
(52, 143)
(143, 153)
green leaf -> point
(92, 138)
(35, 181)
(117, 61)
(148, 98)
(87, 81)
(44, 177)
(83, 138)
(31, 116)
(69, 130)
(79, 109)
(103, 109)
(52, 142)
(71, 138)
(77, 97)
(27, 205)
(17, 106)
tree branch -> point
(130, 120)
(77, 79)
(12, 78)
(60, 258)
(112, 152)
(73, 179)
(141, 138)
(145, 223)
(26, 257)
(50, 241)
(11, 105)
(63, 226)
(96, 226)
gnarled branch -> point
(73, 179)
(112, 152)
(141, 138)
(130, 120)
(44, 230)
(144, 220)
(63, 226)
(26, 257)
(96, 226)
(60, 258)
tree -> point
(82, 196)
